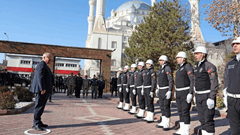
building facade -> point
(114, 32)
(25, 64)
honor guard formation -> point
(198, 83)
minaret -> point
(196, 32)
(91, 17)
(99, 24)
(153, 2)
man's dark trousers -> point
(114, 89)
(77, 90)
(40, 102)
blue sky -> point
(63, 22)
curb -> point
(17, 111)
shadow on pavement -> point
(112, 122)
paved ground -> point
(71, 116)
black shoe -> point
(166, 129)
(44, 125)
(95, 97)
(138, 117)
(157, 126)
(38, 128)
(176, 134)
(150, 121)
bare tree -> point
(224, 16)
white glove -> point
(120, 89)
(142, 91)
(225, 97)
(157, 92)
(134, 92)
(210, 103)
(151, 94)
(175, 95)
(189, 98)
(168, 95)
(127, 90)
(194, 100)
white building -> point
(114, 32)
(24, 64)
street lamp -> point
(8, 40)
(6, 35)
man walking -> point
(79, 81)
(231, 88)
(94, 85)
(206, 85)
(41, 86)
(114, 85)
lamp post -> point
(8, 40)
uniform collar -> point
(200, 62)
(238, 57)
(182, 64)
(164, 65)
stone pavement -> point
(72, 116)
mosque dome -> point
(136, 4)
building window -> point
(124, 45)
(25, 62)
(114, 44)
(59, 64)
(99, 43)
(113, 63)
(71, 65)
(35, 62)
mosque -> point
(112, 33)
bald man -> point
(41, 86)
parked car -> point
(16, 79)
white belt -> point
(161, 88)
(124, 84)
(181, 89)
(119, 85)
(233, 95)
(147, 86)
(203, 92)
(139, 86)
(132, 85)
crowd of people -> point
(201, 80)
(71, 84)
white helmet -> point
(149, 62)
(141, 63)
(134, 66)
(163, 57)
(236, 40)
(127, 67)
(182, 55)
(201, 49)
(120, 69)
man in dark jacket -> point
(94, 84)
(114, 85)
(101, 86)
(79, 82)
(41, 86)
